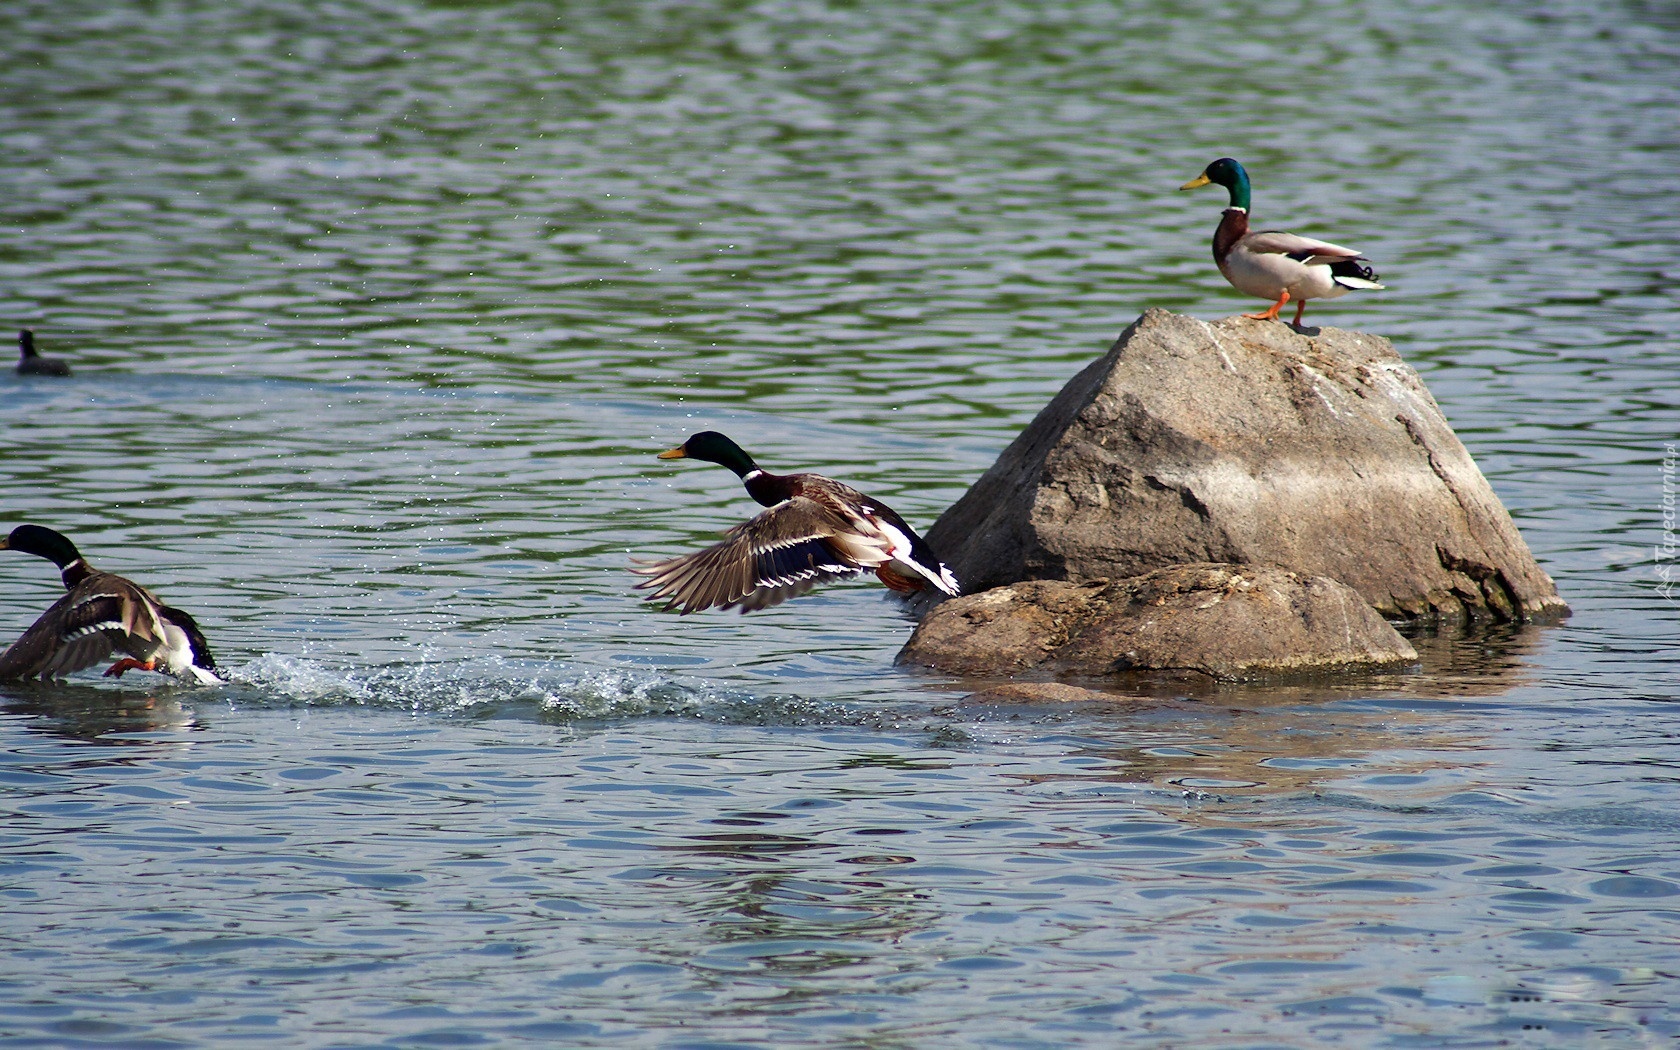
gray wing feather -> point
(1277, 242)
(45, 651)
(780, 554)
(102, 615)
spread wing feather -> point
(100, 616)
(781, 553)
(54, 646)
(765, 597)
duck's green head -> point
(43, 543)
(1227, 173)
(713, 447)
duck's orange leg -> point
(129, 663)
(1300, 308)
(1271, 315)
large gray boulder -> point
(1231, 622)
(1247, 442)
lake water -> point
(379, 311)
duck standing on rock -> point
(102, 614)
(1272, 264)
(31, 363)
(816, 529)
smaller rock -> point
(1232, 622)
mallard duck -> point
(1272, 264)
(102, 614)
(31, 363)
(816, 529)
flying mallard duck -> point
(31, 363)
(816, 529)
(1276, 265)
(102, 614)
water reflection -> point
(750, 906)
(93, 713)
(1190, 733)
(1238, 753)
(1465, 661)
(1476, 660)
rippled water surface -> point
(379, 311)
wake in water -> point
(552, 691)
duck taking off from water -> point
(817, 529)
(101, 615)
(31, 363)
(1272, 264)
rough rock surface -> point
(1248, 442)
(1228, 621)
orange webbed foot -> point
(128, 663)
(1271, 315)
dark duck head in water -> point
(31, 363)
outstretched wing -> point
(101, 615)
(780, 554)
(77, 631)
